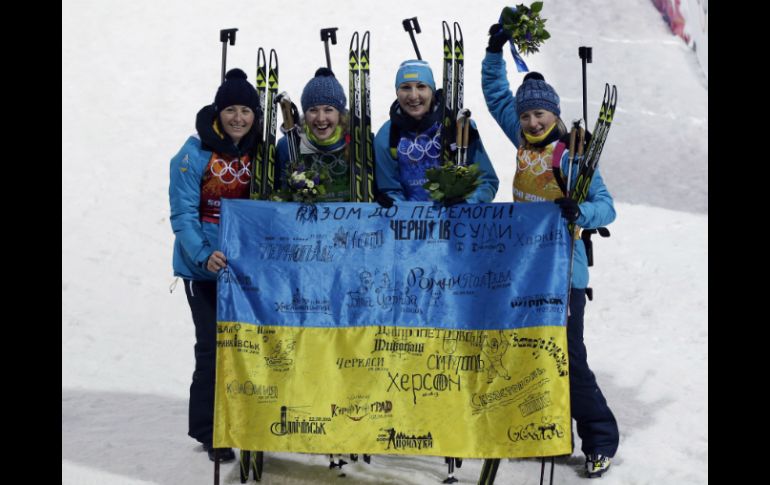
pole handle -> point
(412, 25)
(586, 53)
(288, 116)
(225, 36)
(586, 56)
(327, 35)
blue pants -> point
(596, 424)
(202, 297)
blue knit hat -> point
(415, 70)
(323, 89)
(535, 93)
(236, 90)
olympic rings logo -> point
(231, 172)
(416, 150)
(535, 163)
(334, 164)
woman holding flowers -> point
(322, 173)
(532, 121)
(409, 144)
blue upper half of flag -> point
(481, 266)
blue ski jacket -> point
(194, 209)
(195, 239)
(598, 209)
(402, 180)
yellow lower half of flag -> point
(399, 390)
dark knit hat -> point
(323, 89)
(535, 93)
(236, 90)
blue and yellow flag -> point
(349, 328)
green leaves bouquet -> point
(525, 26)
(450, 181)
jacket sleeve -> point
(489, 181)
(184, 196)
(497, 93)
(598, 209)
(385, 168)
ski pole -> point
(580, 142)
(576, 135)
(446, 86)
(225, 36)
(542, 470)
(216, 466)
(586, 56)
(290, 115)
(461, 137)
(326, 35)
(412, 25)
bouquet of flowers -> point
(303, 185)
(525, 27)
(451, 181)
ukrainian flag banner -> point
(419, 329)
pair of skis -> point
(453, 84)
(587, 158)
(453, 114)
(262, 183)
(490, 466)
(263, 174)
(251, 461)
(587, 164)
(360, 129)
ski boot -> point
(596, 465)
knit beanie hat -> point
(236, 90)
(415, 70)
(323, 89)
(535, 93)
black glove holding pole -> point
(570, 210)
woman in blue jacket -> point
(324, 141)
(531, 121)
(213, 165)
(410, 142)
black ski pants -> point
(202, 297)
(596, 424)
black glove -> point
(449, 202)
(570, 210)
(497, 38)
(384, 200)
